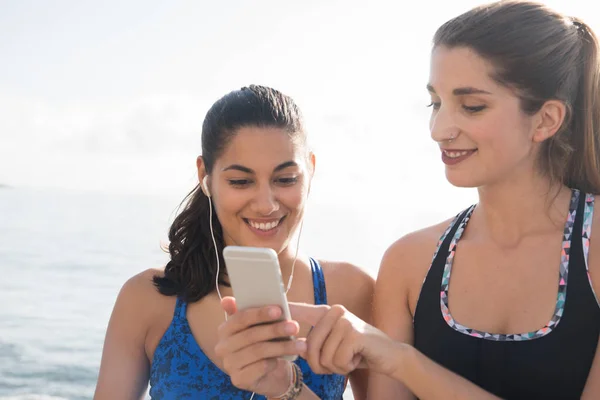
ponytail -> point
(191, 272)
(583, 168)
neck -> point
(521, 206)
(289, 264)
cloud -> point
(146, 125)
(92, 145)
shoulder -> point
(413, 248)
(139, 297)
(349, 285)
(345, 272)
(142, 284)
(406, 262)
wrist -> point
(295, 386)
(404, 355)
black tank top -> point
(550, 363)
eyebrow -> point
(237, 167)
(461, 91)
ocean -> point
(63, 258)
(64, 255)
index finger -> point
(246, 318)
(309, 313)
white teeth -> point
(455, 154)
(264, 226)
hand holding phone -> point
(255, 278)
(249, 343)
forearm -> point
(429, 380)
(307, 394)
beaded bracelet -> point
(295, 386)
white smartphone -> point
(255, 278)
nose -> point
(442, 126)
(265, 201)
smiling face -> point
(483, 134)
(259, 187)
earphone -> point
(206, 191)
(205, 187)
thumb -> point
(228, 305)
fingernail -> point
(301, 346)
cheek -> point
(229, 203)
(504, 142)
(293, 199)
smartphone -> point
(255, 278)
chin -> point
(273, 244)
(462, 180)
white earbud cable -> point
(212, 234)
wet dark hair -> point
(543, 55)
(191, 272)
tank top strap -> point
(318, 282)
(586, 234)
(428, 300)
(447, 238)
(179, 315)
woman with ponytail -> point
(168, 327)
(508, 306)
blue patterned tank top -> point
(181, 370)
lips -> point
(455, 156)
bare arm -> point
(359, 381)
(124, 367)
(353, 287)
(391, 314)
(363, 296)
(341, 342)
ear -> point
(548, 120)
(311, 163)
(201, 168)
(311, 168)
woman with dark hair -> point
(254, 178)
(508, 305)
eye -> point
(435, 105)
(473, 109)
(287, 181)
(239, 182)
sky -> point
(110, 96)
